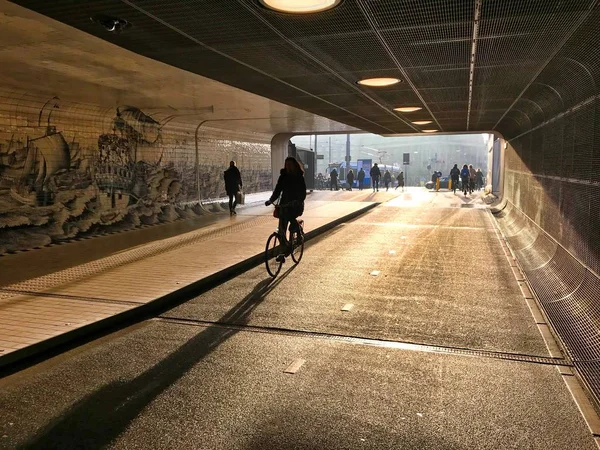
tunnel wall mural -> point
(69, 170)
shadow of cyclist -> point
(98, 419)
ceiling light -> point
(407, 109)
(378, 82)
(422, 122)
(300, 6)
(429, 131)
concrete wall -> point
(68, 169)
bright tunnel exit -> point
(418, 157)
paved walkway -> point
(34, 263)
(116, 274)
(384, 337)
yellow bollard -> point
(437, 184)
(450, 184)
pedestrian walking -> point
(479, 179)
(387, 179)
(320, 181)
(350, 179)
(361, 179)
(464, 176)
(333, 180)
(454, 177)
(233, 186)
(472, 176)
(400, 179)
(375, 176)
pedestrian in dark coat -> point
(387, 179)
(400, 179)
(375, 176)
(233, 185)
(333, 180)
(479, 179)
(350, 179)
(361, 179)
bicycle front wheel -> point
(272, 250)
(297, 240)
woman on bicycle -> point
(292, 189)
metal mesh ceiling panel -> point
(448, 61)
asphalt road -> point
(210, 373)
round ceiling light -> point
(407, 109)
(300, 6)
(378, 82)
(429, 131)
(423, 122)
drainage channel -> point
(399, 345)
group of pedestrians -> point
(376, 176)
(470, 178)
(376, 179)
(360, 178)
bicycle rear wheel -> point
(297, 240)
(272, 249)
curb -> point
(147, 310)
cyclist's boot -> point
(286, 248)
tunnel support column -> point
(496, 166)
(279, 151)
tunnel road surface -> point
(402, 329)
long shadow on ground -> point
(98, 419)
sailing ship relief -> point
(37, 171)
(114, 173)
(55, 185)
(45, 157)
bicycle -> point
(454, 185)
(465, 185)
(274, 249)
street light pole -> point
(347, 150)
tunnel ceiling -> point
(474, 65)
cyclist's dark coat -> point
(455, 173)
(294, 189)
